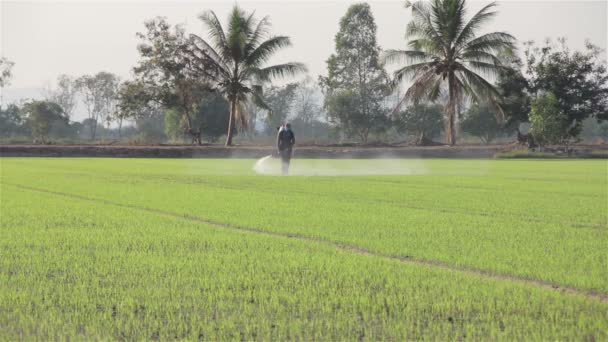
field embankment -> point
(245, 151)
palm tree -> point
(232, 61)
(445, 52)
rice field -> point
(203, 249)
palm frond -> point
(448, 17)
(488, 69)
(421, 13)
(407, 56)
(480, 18)
(238, 29)
(490, 42)
(278, 71)
(427, 45)
(261, 30)
(216, 33)
(257, 97)
(207, 54)
(480, 56)
(266, 49)
(423, 86)
(478, 86)
(411, 70)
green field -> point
(346, 249)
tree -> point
(6, 74)
(65, 94)
(42, 117)
(421, 120)
(513, 88)
(548, 123)
(233, 61)
(446, 52)
(133, 101)
(212, 116)
(578, 80)
(88, 89)
(480, 121)
(11, 121)
(99, 93)
(306, 107)
(87, 125)
(166, 76)
(279, 100)
(110, 85)
(151, 127)
(356, 83)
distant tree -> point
(11, 121)
(64, 94)
(99, 93)
(422, 120)
(6, 74)
(110, 85)
(307, 107)
(480, 121)
(255, 116)
(548, 123)
(211, 115)
(133, 101)
(87, 126)
(513, 88)
(577, 79)
(279, 101)
(356, 83)
(151, 127)
(165, 76)
(344, 113)
(233, 61)
(592, 130)
(174, 123)
(42, 117)
(447, 52)
(90, 97)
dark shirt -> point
(285, 139)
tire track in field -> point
(402, 204)
(591, 294)
(406, 205)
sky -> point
(48, 38)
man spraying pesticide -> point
(285, 141)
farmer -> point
(285, 141)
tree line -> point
(450, 78)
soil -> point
(251, 151)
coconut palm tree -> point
(233, 61)
(447, 54)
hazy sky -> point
(47, 38)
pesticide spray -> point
(266, 166)
(270, 165)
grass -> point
(146, 249)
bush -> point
(423, 121)
(549, 125)
(480, 121)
